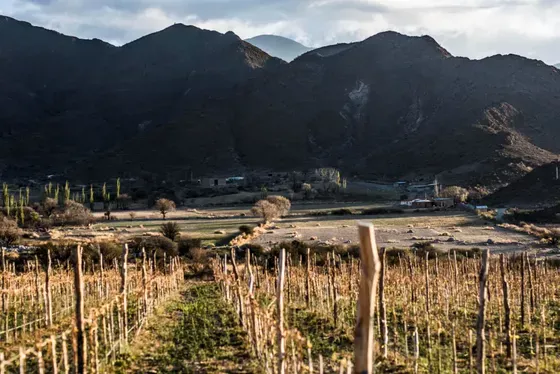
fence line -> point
(102, 332)
(427, 318)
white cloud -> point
(473, 28)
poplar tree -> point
(66, 192)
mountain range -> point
(188, 100)
(278, 46)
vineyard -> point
(431, 312)
(67, 319)
(302, 311)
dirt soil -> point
(445, 230)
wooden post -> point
(523, 290)
(81, 348)
(514, 351)
(102, 270)
(280, 310)
(4, 306)
(226, 279)
(144, 282)
(370, 269)
(254, 334)
(238, 288)
(454, 348)
(48, 290)
(307, 280)
(124, 291)
(480, 322)
(507, 308)
(37, 285)
(382, 306)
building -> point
(213, 182)
(420, 203)
(442, 202)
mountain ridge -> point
(185, 99)
(278, 46)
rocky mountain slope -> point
(186, 99)
(278, 46)
(64, 99)
(539, 187)
(397, 106)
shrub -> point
(256, 249)
(73, 213)
(459, 194)
(308, 191)
(49, 206)
(60, 252)
(199, 258)
(165, 206)
(246, 229)
(283, 204)
(342, 212)
(31, 217)
(266, 210)
(376, 211)
(170, 230)
(9, 232)
(110, 251)
(421, 248)
(185, 245)
(157, 244)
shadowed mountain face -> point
(187, 99)
(278, 46)
(64, 99)
(540, 186)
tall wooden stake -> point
(124, 291)
(480, 322)
(507, 308)
(280, 310)
(81, 339)
(370, 269)
(48, 289)
(382, 306)
(307, 280)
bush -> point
(72, 213)
(199, 258)
(170, 230)
(31, 217)
(10, 234)
(60, 252)
(158, 245)
(282, 204)
(185, 245)
(308, 191)
(376, 211)
(49, 206)
(459, 194)
(110, 251)
(256, 249)
(271, 208)
(342, 212)
(266, 210)
(246, 229)
(165, 206)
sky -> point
(471, 28)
